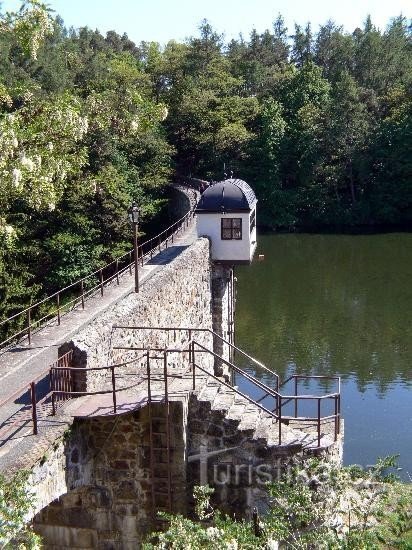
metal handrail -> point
(190, 330)
(190, 348)
(248, 376)
(281, 400)
(161, 240)
(85, 369)
(310, 377)
(31, 386)
(269, 412)
(277, 412)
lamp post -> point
(134, 218)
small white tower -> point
(226, 213)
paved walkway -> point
(21, 364)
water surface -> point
(338, 304)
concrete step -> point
(261, 425)
(290, 436)
(224, 400)
(208, 393)
(240, 399)
(250, 418)
(311, 441)
(266, 427)
(213, 382)
(236, 410)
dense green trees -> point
(80, 137)
(319, 124)
(305, 119)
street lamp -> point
(134, 218)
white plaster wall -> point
(209, 224)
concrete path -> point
(21, 364)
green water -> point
(338, 304)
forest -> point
(319, 123)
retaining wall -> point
(179, 295)
(108, 500)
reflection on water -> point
(338, 304)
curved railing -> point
(280, 400)
(279, 412)
(62, 384)
(68, 298)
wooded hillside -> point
(319, 124)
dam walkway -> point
(24, 363)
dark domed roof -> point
(231, 195)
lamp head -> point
(133, 213)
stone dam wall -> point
(108, 462)
(178, 296)
(94, 485)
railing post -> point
(296, 394)
(165, 375)
(29, 325)
(130, 262)
(319, 422)
(82, 290)
(339, 414)
(58, 308)
(193, 365)
(149, 389)
(33, 406)
(101, 282)
(280, 420)
(113, 388)
(160, 244)
(52, 388)
(141, 256)
(117, 272)
(190, 346)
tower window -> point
(231, 228)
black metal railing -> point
(280, 401)
(62, 376)
(29, 411)
(58, 385)
(53, 307)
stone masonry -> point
(179, 296)
(109, 502)
(234, 448)
(223, 313)
(217, 437)
(94, 483)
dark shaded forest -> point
(318, 123)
